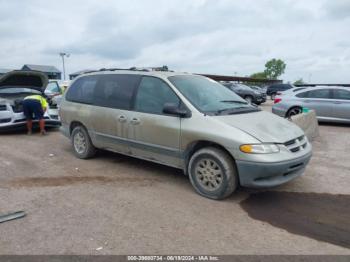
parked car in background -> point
(247, 93)
(258, 88)
(276, 89)
(331, 104)
(185, 121)
(14, 87)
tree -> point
(259, 75)
(299, 82)
(274, 68)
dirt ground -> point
(114, 204)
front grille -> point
(296, 144)
(5, 120)
(19, 120)
(2, 107)
(17, 108)
(54, 117)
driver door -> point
(154, 135)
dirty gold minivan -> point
(185, 121)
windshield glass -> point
(52, 87)
(17, 90)
(207, 95)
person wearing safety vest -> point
(34, 107)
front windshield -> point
(207, 95)
(17, 90)
(52, 87)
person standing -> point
(34, 107)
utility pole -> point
(62, 55)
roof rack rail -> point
(143, 69)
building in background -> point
(51, 71)
(75, 74)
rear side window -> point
(152, 94)
(341, 94)
(320, 94)
(82, 90)
(116, 91)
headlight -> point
(259, 148)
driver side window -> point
(152, 94)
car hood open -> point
(28, 79)
(264, 126)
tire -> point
(294, 111)
(273, 95)
(249, 99)
(201, 172)
(81, 143)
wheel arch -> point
(73, 125)
(292, 107)
(199, 144)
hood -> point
(264, 126)
(29, 79)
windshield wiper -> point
(237, 110)
(234, 101)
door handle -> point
(337, 102)
(135, 121)
(122, 119)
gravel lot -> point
(114, 204)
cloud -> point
(220, 36)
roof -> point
(137, 72)
(81, 72)
(4, 71)
(42, 68)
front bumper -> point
(260, 175)
(260, 99)
(22, 124)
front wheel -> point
(81, 142)
(213, 173)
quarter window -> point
(153, 94)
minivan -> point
(185, 121)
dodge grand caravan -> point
(185, 121)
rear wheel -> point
(213, 173)
(81, 142)
(294, 111)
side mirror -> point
(173, 109)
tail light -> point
(277, 100)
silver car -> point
(185, 121)
(332, 104)
(14, 87)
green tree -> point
(259, 75)
(299, 82)
(274, 68)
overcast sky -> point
(213, 36)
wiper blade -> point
(218, 112)
(234, 101)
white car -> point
(14, 87)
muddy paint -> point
(72, 180)
(323, 217)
